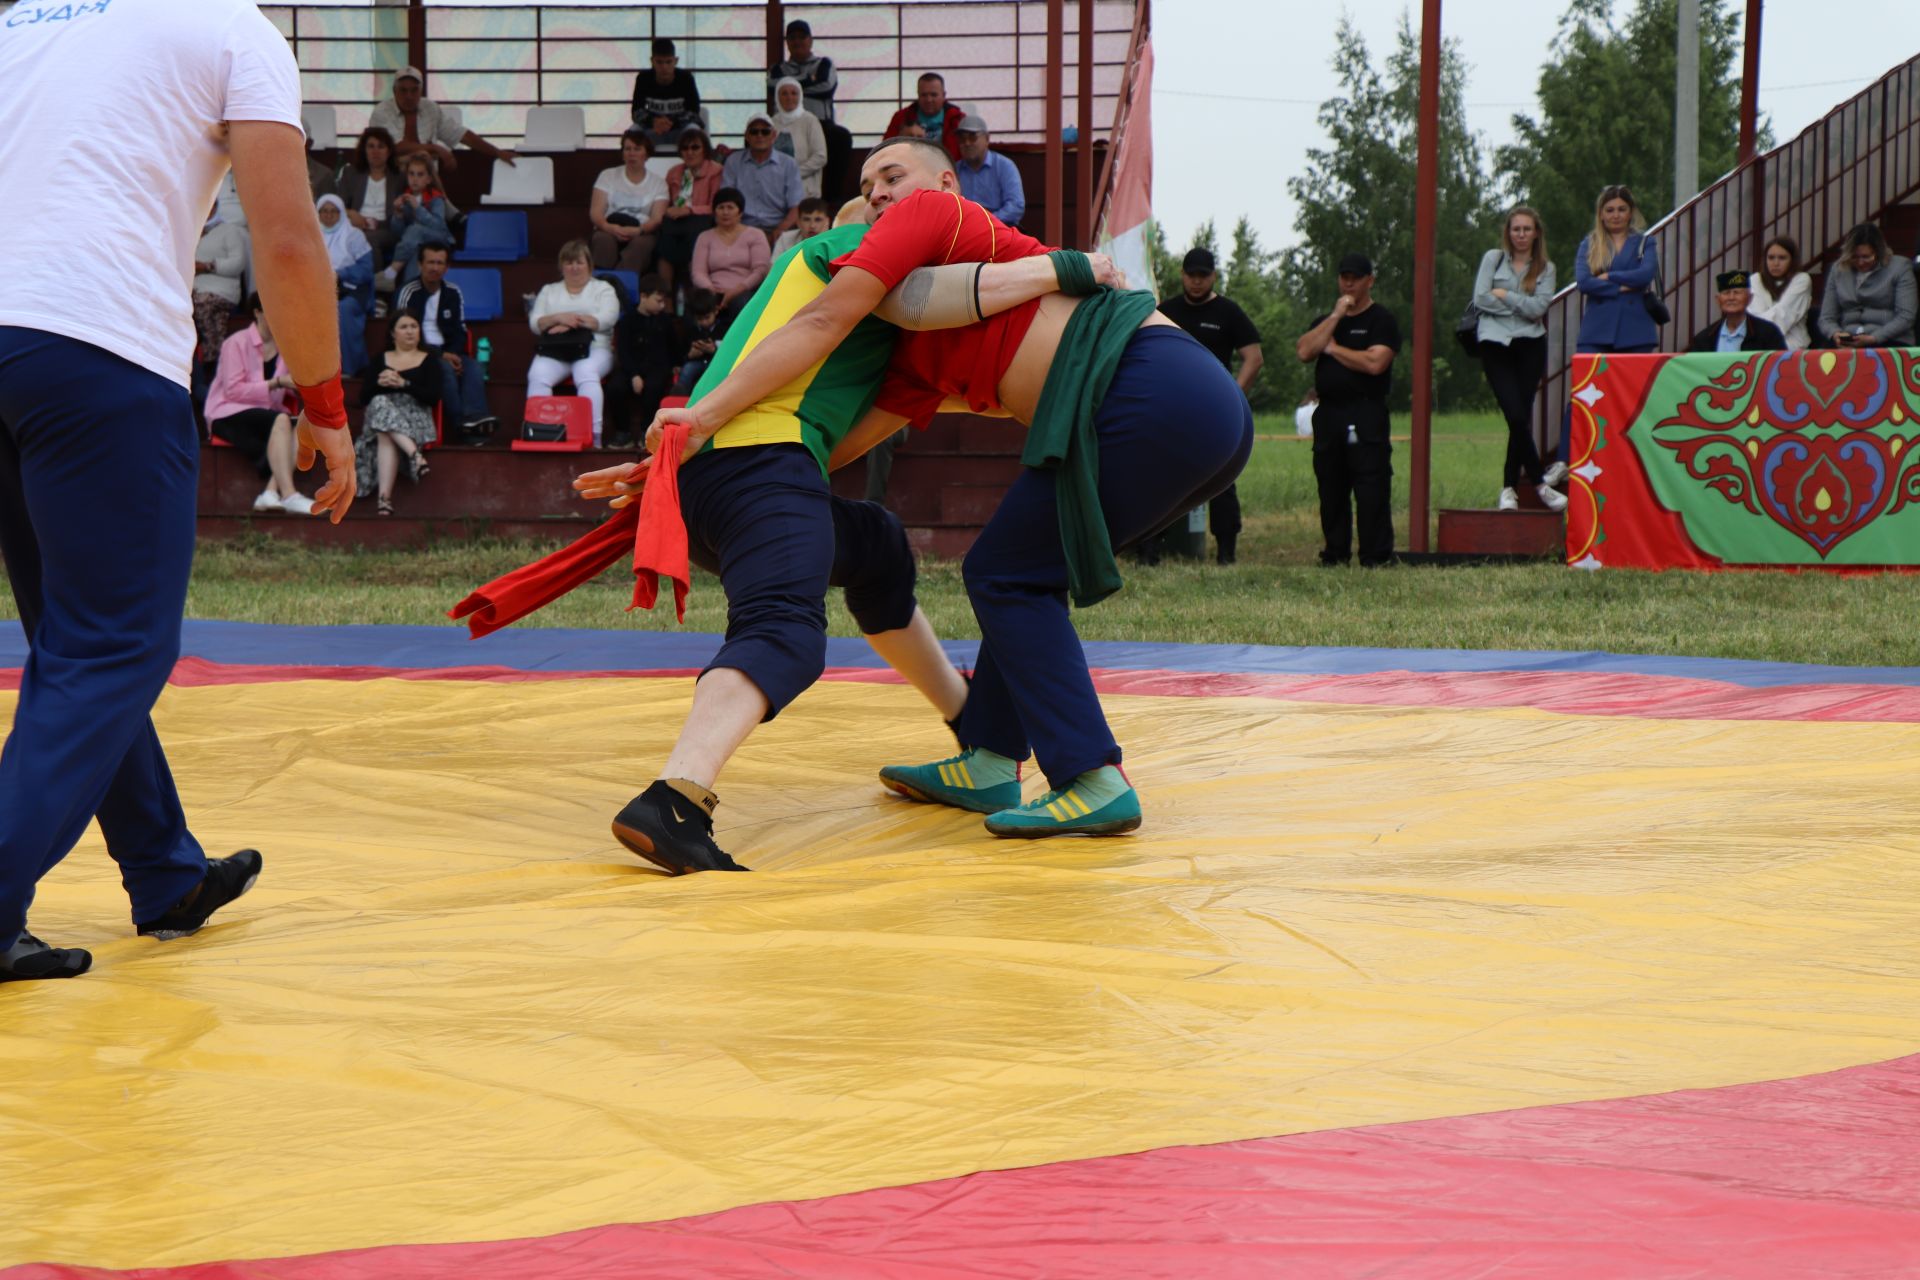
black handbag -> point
(622, 219)
(568, 347)
(1466, 331)
(1655, 297)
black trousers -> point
(1513, 373)
(1223, 519)
(1356, 480)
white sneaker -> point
(1509, 500)
(1555, 500)
(1555, 475)
(300, 504)
(268, 501)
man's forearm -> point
(291, 270)
(1310, 345)
(1360, 361)
(960, 293)
(876, 426)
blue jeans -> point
(464, 393)
(99, 573)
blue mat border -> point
(555, 649)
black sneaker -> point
(30, 959)
(671, 832)
(226, 879)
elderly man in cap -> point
(988, 178)
(769, 179)
(1738, 330)
(1351, 349)
(421, 124)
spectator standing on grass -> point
(691, 186)
(929, 116)
(574, 318)
(1351, 349)
(1738, 329)
(666, 101)
(439, 306)
(798, 134)
(988, 178)
(1511, 291)
(1870, 296)
(399, 392)
(418, 124)
(768, 180)
(368, 183)
(627, 207)
(1219, 325)
(732, 258)
(1616, 267)
(1785, 295)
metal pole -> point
(777, 38)
(1425, 200)
(1750, 85)
(1083, 174)
(1056, 188)
(1686, 104)
(417, 35)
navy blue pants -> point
(1174, 431)
(99, 467)
(762, 518)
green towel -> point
(1062, 438)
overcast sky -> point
(1237, 84)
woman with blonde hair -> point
(1615, 269)
(1785, 294)
(1511, 292)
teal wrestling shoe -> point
(1099, 803)
(976, 779)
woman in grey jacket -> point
(1870, 298)
(1511, 292)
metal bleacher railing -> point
(495, 60)
(1849, 167)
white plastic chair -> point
(322, 124)
(528, 181)
(560, 129)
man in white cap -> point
(420, 124)
(769, 179)
(988, 178)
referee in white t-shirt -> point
(99, 453)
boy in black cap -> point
(1352, 350)
(1220, 326)
(666, 102)
(1737, 330)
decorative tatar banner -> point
(1793, 458)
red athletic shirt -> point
(931, 229)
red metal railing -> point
(1122, 106)
(1847, 168)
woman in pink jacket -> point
(251, 406)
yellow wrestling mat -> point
(455, 1010)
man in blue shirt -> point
(1737, 330)
(769, 179)
(988, 178)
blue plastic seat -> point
(631, 279)
(480, 292)
(495, 235)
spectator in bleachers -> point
(627, 208)
(219, 265)
(574, 318)
(319, 176)
(653, 345)
(706, 328)
(929, 116)
(731, 259)
(437, 304)
(368, 183)
(691, 185)
(251, 406)
(1511, 290)
(399, 398)
(1870, 297)
(419, 218)
(988, 178)
(1614, 267)
(352, 259)
(818, 83)
(1785, 294)
(666, 101)
(798, 134)
(816, 215)
(1738, 329)
(768, 180)
(417, 124)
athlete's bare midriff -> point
(1021, 385)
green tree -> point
(1357, 195)
(1606, 114)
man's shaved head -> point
(899, 167)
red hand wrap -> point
(324, 404)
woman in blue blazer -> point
(1614, 269)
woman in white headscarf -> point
(798, 133)
(352, 258)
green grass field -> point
(1275, 595)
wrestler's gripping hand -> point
(336, 446)
(698, 432)
(620, 484)
(1106, 271)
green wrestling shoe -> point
(1100, 803)
(976, 779)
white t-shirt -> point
(375, 204)
(104, 208)
(430, 321)
(630, 197)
